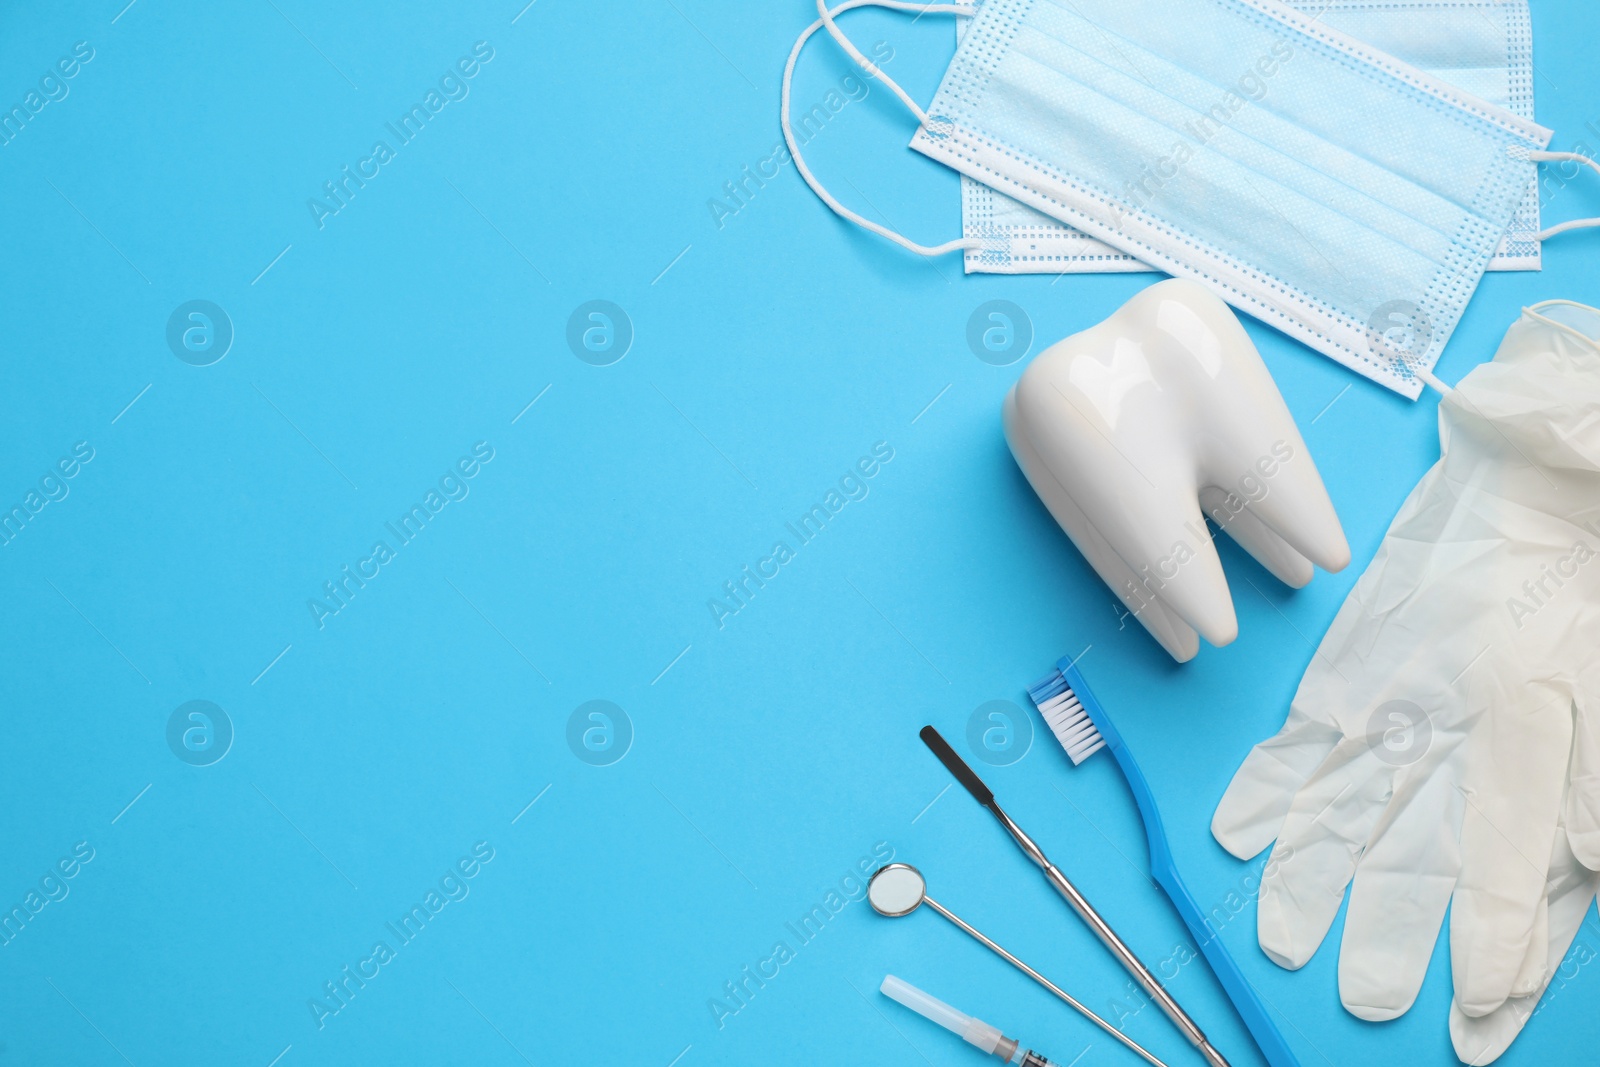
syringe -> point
(973, 1031)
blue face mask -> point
(1324, 187)
(1482, 46)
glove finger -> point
(1513, 805)
(1570, 888)
(1252, 809)
(1398, 899)
(1327, 826)
(1530, 975)
(1582, 814)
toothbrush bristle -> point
(1066, 717)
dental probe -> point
(984, 796)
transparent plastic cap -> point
(973, 1031)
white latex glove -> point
(1427, 748)
(1570, 888)
(1132, 427)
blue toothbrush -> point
(1083, 728)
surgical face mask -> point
(1484, 47)
(1326, 188)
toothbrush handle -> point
(1246, 1001)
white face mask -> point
(1484, 47)
(1323, 187)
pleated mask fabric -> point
(1313, 182)
(1484, 47)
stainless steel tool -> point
(1141, 974)
(899, 889)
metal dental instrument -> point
(899, 889)
(982, 794)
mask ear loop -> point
(1564, 157)
(1427, 377)
(873, 70)
(1533, 155)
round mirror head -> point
(896, 890)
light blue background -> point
(769, 756)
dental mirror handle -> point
(1108, 937)
(977, 935)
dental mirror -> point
(899, 889)
(896, 890)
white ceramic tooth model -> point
(1135, 430)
